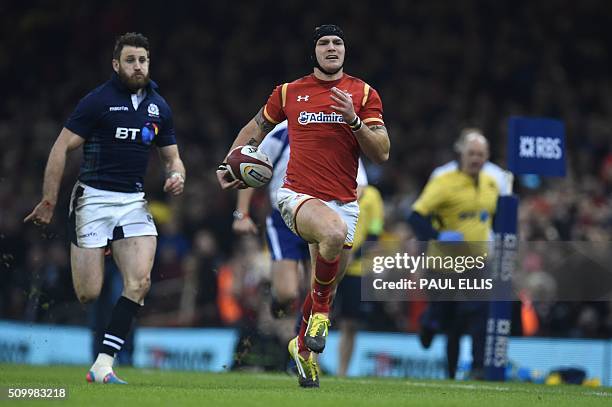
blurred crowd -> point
(439, 66)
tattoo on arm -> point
(252, 142)
(264, 125)
(377, 127)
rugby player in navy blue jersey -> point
(116, 123)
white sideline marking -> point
(537, 389)
(459, 386)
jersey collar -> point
(329, 83)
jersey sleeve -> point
(372, 111)
(274, 109)
(431, 198)
(166, 136)
(84, 117)
(273, 144)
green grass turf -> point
(167, 388)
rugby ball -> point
(249, 165)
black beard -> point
(133, 83)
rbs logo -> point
(125, 132)
(547, 148)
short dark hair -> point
(131, 40)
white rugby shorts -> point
(289, 203)
(97, 216)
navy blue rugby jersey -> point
(118, 137)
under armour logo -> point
(301, 98)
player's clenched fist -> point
(42, 213)
(175, 183)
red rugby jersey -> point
(324, 150)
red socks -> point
(325, 275)
(318, 298)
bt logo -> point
(125, 132)
(147, 133)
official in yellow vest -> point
(458, 205)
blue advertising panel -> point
(536, 146)
(500, 312)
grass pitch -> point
(166, 388)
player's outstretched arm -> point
(251, 134)
(66, 142)
(175, 170)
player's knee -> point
(87, 296)
(336, 235)
(285, 294)
(138, 287)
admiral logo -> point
(547, 148)
(118, 109)
(153, 110)
(307, 118)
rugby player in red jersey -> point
(332, 118)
